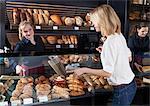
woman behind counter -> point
(114, 56)
(138, 43)
(29, 44)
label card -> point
(55, 27)
(4, 103)
(37, 27)
(76, 28)
(92, 28)
(16, 103)
(27, 101)
(43, 98)
(71, 46)
(58, 46)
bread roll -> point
(56, 19)
(43, 39)
(50, 23)
(79, 21)
(63, 19)
(60, 41)
(52, 39)
(69, 21)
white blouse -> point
(114, 57)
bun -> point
(78, 20)
(56, 19)
(60, 41)
(69, 21)
(52, 39)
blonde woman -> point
(114, 56)
(28, 45)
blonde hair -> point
(106, 18)
(22, 25)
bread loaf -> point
(40, 17)
(16, 16)
(35, 17)
(46, 12)
(46, 19)
(23, 15)
(30, 11)
(29, 17)
(56, 19)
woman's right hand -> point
(18, 69)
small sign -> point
(4, 103)
(76, 28)
(16, 103)
(92, 28)
(43, 98)
(37, 27)
(27, 101)
(71, 46)
(55, 27)
(75, 65)
(58, 46)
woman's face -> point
(143, 31)
(96, 26)
(28, 32)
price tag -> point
(55, 27)
(4, 103)
(76, 28)
(27, 101)
(71, 46)
(16, 103)
(92, 28)
(75, 65)
(43, 98)
(37, 27)
(58, 46)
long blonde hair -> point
(106, 18)
(22, 25)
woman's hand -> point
(99, 49)
(80, 71)
(130, 58)
(18, 69)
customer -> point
(28, 45)
(114, 56)
(138, 43)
